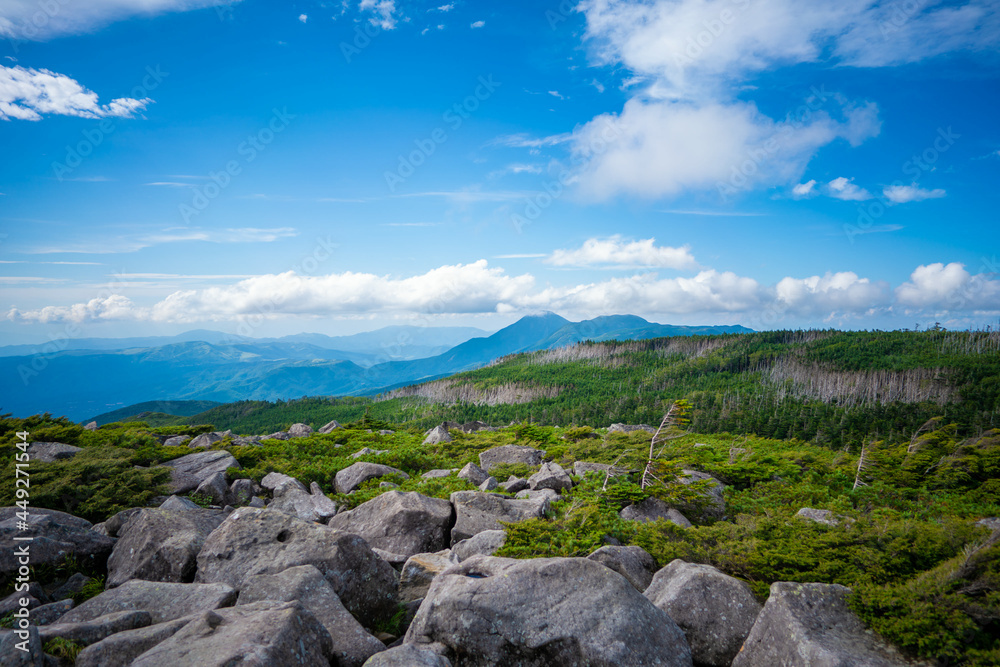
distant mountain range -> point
(81, 382)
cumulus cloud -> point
(615, 252)
(841, 293)
(903, 194)
(26, 94)
(804, 189)
(844, 188)
(383, 12)
(662, 148)
(477, 24)
(951, 287)
(304, 18)
(34, 20)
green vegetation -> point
(896, 433)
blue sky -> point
(271, 168)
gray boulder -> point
(32, 655)
(581, 468)
(50, 613)
(241, 492)
(246, 441)
(92, 631)
(295, 501)
(436, 435)
(811, 625)
(215, 487)
(258, 634)
(545, 611)
(176, 440)
(330, 426)
(712, 505)
(408, 655)
(550, 476)
(419, 571)
(171, 504)
(485, 543)
(510, 454)
(187, 472)
(300, 431)
(476, 512)
(630, 428)
(437, 473)
(473, 474)
(633, 563)
(489, 484)
(368, 451)
(403, 523)
(47, 452)
(514, 484)
(54, 534)
(163, 601)
(714, 610)
(652, 509)
(76, 583)
(819, 516)
(351, 643)
(536, 494)
(277, 483)
(91, 426)
(261, 541)
(208, 439)
(120, 649)
(356, 474)
(159, 545)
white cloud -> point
(445, 8)
(383, 11)
(615, 252)
(34, 20)
(948, 286)
(804, 189)
(303, 18)
(839, 293)
(556, 93)
(126, 244)
(843, 188)
(903, 194)
(26, 94)
(661, 148)
(477, 24)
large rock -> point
(120, 649)
(408, 655)
(171, 504)
(300, 431)
(485, 543)
(419, 571)
(356, 474)
(514, 484)
(208, 439)
(260, 541)
(633, 563)
(550, 476)
(811, 625)
(94, 630)
(510, 454)
(437, 435)
(297, 502)
(31, 655)
(176, 440)
(277, 483)
(55, 535)
(630, 428)
(52, 612)
(215, 488)
(652, 509)
(819, 516)
(473, 474)
(241, 492)
(163, 601)
(329, 427)
(714, 610)
(351, 644)
(712, 505)
(257, 635)
(545, 611)
(476, 512)
(187, 472)
(403, 523)
(47, 452)
(160, 545)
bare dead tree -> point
(863, 464)
(675, 417)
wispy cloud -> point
(477, 24)
(903, 194)
(721, 214)
(175, 235)
(527, 141)
(614, 252)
